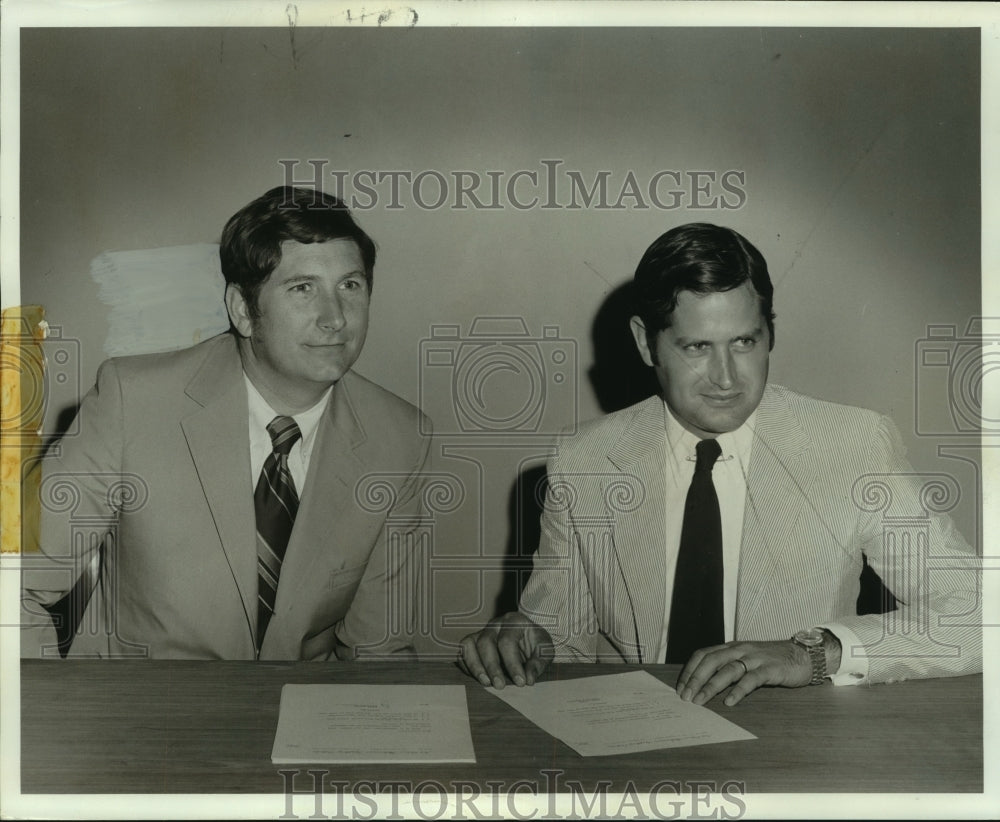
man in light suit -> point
(751, 579)
(161, 508)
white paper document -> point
(619, 713)
(373, 723)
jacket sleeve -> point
(557, 595)
(381, 620)
(932, 571)
(81, 487)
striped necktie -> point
(696, 609)
(275, 503)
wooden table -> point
(207, 727)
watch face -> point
(809, 638)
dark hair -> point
(702, 258)
(250, 249)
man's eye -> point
(745, 343)
(351, 285)
(301, 287)
(694, 348)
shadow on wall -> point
(63, 422)
(525, 510)
(618, 377)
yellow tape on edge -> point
(22, 407)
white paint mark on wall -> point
(161, 299)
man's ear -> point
(239, 311)
(641, 341)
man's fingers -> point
(693, 664)
(745, 666)
(699, 669)
(540, 652)
(469, 660)
(509, 642)
(511, 645)
(749, 682)
(492, 657)
(534, 668)
(732, 671)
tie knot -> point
(284, 432)
(706, 453)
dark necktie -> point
(696, 608)
(275, 503)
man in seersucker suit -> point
(722, 525)
(219, 490)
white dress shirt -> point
(261, 414)
(729, 478)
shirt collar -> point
(734, 444)
(261, 413)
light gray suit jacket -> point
(159, 471)
(826, 484)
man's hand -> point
(744, 665)
(512, 644)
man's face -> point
(312, 323)
(712, 361)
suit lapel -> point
(778, 481)
(323, 523)
(639, 452)
(217, 437)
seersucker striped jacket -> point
(826, 484)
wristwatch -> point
(811, 640)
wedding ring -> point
(746, 670)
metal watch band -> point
(817, 657)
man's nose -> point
(722, 369)
(331, 313)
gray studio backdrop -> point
(849, 156)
